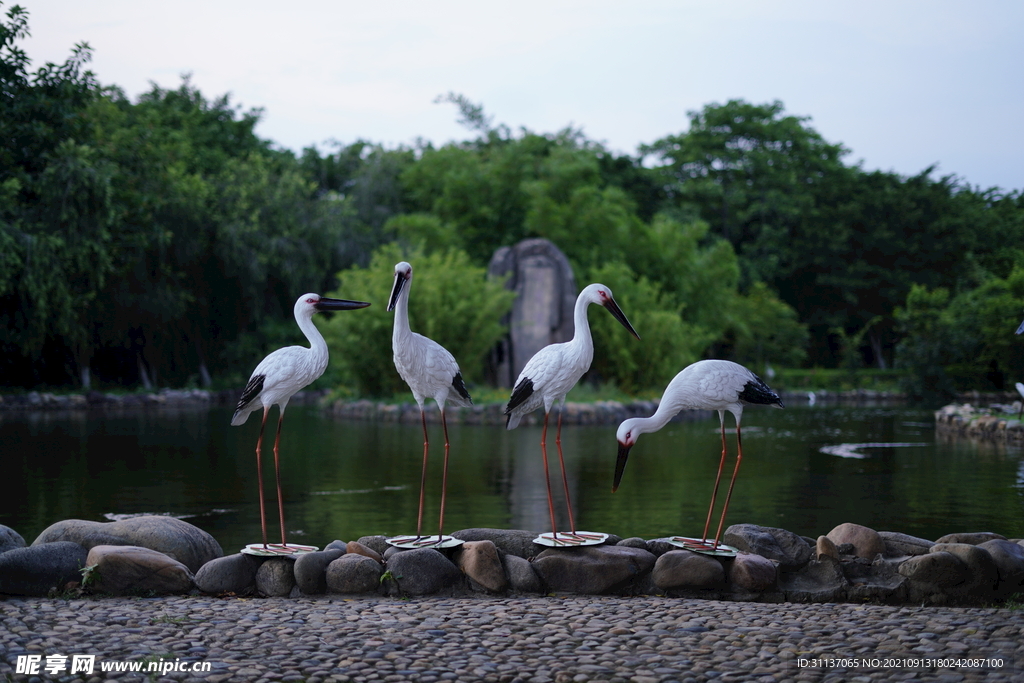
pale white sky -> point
(903, 84)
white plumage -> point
(280, 375)
(553, 372)
(429, 370)
(705, 385)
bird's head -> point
(627, 435)
(602, 294)
(308, 304)
(403, 276)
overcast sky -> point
(902, 84)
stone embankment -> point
(157, 555)
(999, 422)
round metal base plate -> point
(278, 550)
(564, 539)
(704, 547)
(433, 541)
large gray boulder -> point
(353, 573)
(229, 574)
(899, 545)
(276, 577)
(311, 570)
(38, 569)
(592, 570)
(866, 542)
(687, 569)
(10, 539)
(1009, 560)
(791, 551)
(423, 571)
(541, 276)
(186, 543)
(522, 577)
(130, 569)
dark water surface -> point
(346, 479)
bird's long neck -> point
(646, 425)
(582, 341)
(317, 345)
(401, 329)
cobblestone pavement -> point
(537, 639)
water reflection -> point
(347, 479)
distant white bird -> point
(431, 372)
(278, 377)
(552, 373)
(705, 385)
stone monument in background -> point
(540, 275)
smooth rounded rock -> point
(129, 569)
(687, 569)
(824, 547)
(229, 574)
(182, 541)
(378, 544)
(423, 571)
(752, 573)
(353, 573)
(311, 570)
(522, 577)
(36, 570)
(973, 537)
(479, 561)
(1009, 560)
(865, 541)
(10, 539)
(592, 569)
(899, 545)
(787, 548)
(934, 577)
(982, 574)
(276, 577)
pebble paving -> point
(510, 640)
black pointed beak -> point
(400, 281)
(617, 313)
(620, 465)
(326, 304)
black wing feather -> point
(522, 392)
(460, 386)
(251, 391)
(756, 391)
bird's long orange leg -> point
(565, 479)
(735, 471)
(547, 478)
(423, 476)
(444, 477)
(714, 493)
(277, 473)
(259, 475)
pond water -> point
(803, 470)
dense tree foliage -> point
(163, 242)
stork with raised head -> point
(719, 385)
(431, 372)
(274, 381)
(547, 378)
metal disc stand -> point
(278, 550)
(704, 546)
(432, 541)
(563, 539)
